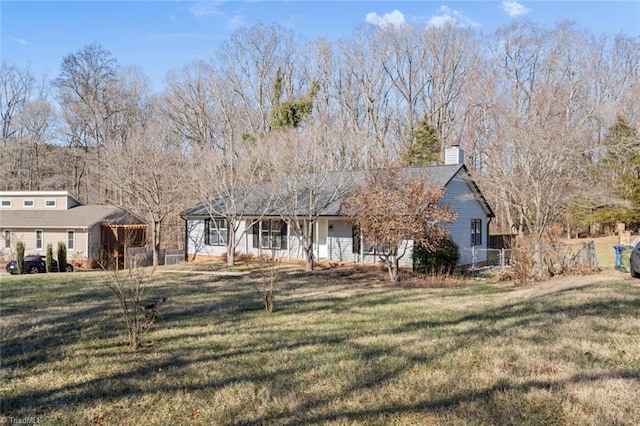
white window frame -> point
(46, 202)
(271, 235)
(7, 239)
(41, 240)
(24, 204)
(5, 206)
(218, 229)
(71, 239)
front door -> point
(321, 240)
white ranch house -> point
(334, 236)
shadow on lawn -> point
(537, 311)
(226, 302)
(489, 411)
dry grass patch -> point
(341, 347)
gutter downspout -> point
(87, 231)
(488, 223)
(186, 239)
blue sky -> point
(160, 35)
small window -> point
(7, 239)
(71, 240)
(28, 203)
(39, 235)
(5, 203)
(476, 232)
(50, 204)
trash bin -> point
(623, 257)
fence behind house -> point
(560, 257)
(171, 257)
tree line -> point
(547, 117)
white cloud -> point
(445, 15)
(395, 18)
(19, 41)
(203, 9)
(236, 21)
(513, 8)
(441, 20)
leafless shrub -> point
(138, 314)
(522, 265)
(267, 286)
(245, 257)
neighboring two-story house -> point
(40, 218)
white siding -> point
(340, 241)
(459, 196)
(195, 243)
(462, 200)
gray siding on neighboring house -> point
(94, 235)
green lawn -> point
(340, 348)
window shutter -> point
(355, 242)
(256, 234)
(207, 232)
(284, 235)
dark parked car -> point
(35, 265)
(635, 261)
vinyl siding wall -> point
(459, 197)
(339, 244)
(39, 202)
(463, 201)
(49, 236)
(196, 242)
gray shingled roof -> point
(326, 184)
(77, 217)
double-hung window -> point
(476, 232)
(216, 232)
(270, 234)
(71, 240)
(39, 235)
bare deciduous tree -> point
(311, 181)
(538, 148)
(149, 173)
(249, 61)
(27, 121)
(234, 193)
